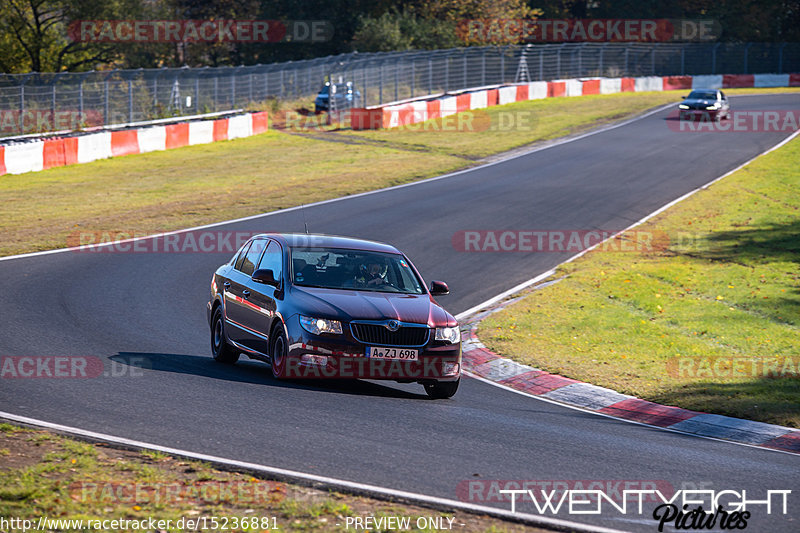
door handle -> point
(246, 293)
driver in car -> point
(372, 274)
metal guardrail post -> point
(502, 65)
(380, 84)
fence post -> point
(216, 92)
(430, 75)
(502, 65)
(282, 82)
(746, 50)
(483, 67)
(683, 61)
(541, 64)
(714, 58)
(396, 82)
(105, 105)
(250, 82)
(197, 94)
(602, 49)
(80, 98)
(233, 91)
(446, 73)
(626, 72)
(413, 78)
(130, 100)
(53, 105)
(380, 85)
(653, 60)
(558, 61)
(465, 83)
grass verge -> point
(708, 321)
(46, 475)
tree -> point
(36, 37)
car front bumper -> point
(326, 357)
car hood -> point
(347, 305)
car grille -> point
(378, 334)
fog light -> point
(313, 359)
(450, 369)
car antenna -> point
(303, 210)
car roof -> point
(330, 241)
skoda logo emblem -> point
(393, 325)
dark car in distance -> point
(319, 306)
(345, 96)
(705, 102)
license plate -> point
(399, 354)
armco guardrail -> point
(431, 108)
(42, 154)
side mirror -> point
(439, 288)
(266, 276)
(683, 98)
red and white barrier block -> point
(392, 116)
(48, 153)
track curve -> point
(146, 313)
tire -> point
(279, 352)
(220, 349)
(440, 390)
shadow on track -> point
(252, 372)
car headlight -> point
(683, 106)
(715, 106)
(318, 326)
(449, 334)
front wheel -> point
(280, 352)
(220, 349)
(439, 390)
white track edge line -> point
(358, 195)
(314, 478)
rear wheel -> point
(439, 390)
(280, 352)
(220, 349)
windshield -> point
(338, 268)
(703, 95)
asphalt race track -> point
(146, 312)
